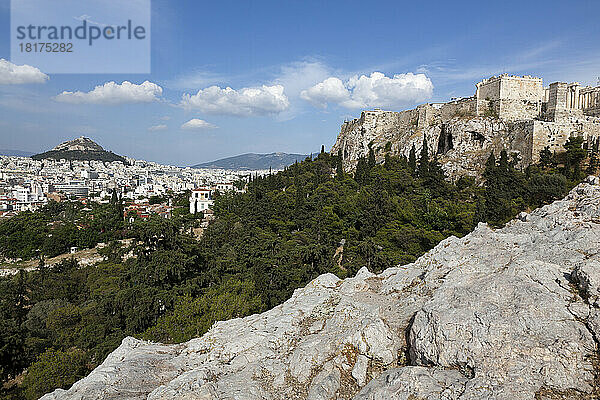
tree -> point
(412, 159)
(575, 154)
(371, 159)
(362, 171)
(54, 369)
(546, 157)
(423, 160)
(339, 166)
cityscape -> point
(27, 185)
(257, 200)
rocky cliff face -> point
(81, 143)
(511, 314)
(462, 143)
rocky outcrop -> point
(498, 314)
(462, 144)
(81, 149)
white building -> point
(224, 187)
(201, 200)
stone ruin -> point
(515, 113)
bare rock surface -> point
(512, 314)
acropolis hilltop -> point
(514, 113)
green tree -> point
(412, 159)
(546, 157)
(423, 160)
(575, 154)
(54, 369)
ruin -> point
(515, 113)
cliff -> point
(511, 313)
(461, 144)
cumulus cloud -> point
(12, 74)
(197, 124)
(376, 90)
(160, 127)
(112, 93)
(297, 76)
(244, 102)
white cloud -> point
(160, 127)
(376, 90)
(331, 90)
(296, 76)
(11, 74)
(112, 93)
(197, 124)
(245, 102)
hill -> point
(461, 322)
(15, 153)
(252, 161)
(82, 149)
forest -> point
(58, 323)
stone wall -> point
(488, 96)
(459, 108)
(510, 97)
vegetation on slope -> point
(81, 155)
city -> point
(27, 184)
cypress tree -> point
(424, 160)
(371, 162)
(412, 159)
(339, 168)
(361, 171)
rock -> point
(498, 314)
(410, 383)
(359, 372)
(472, 139)
(592, 180)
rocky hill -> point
(252, 161)
(512, 113)
(512, 313)
(83, 149)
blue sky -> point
(296, 70)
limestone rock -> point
(498, 314)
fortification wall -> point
(488, 96)
(554, 135)
(521, 98)
(459, 108)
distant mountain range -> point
(252, 161)
(83, 149)
(15, 153)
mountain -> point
(252, 161)
(15, 153)
(83, 149)
(511, 313)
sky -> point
(233, 77)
